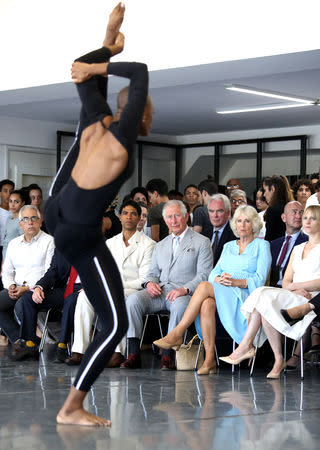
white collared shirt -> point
(26, 262)
(4, 214)
(181, 236)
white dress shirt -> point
(26, 262)
(4, 214)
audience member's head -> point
(35, 194)
(30, 221)
(206, 189)
(139, 194)
(157, 191)
(237, 198)
(233, 183)
(143, 217)
(191, 196)
(275, 191)
(261, 202)
(6, 187)
(249, 213)
(292, 216)
(302, 189)
(175, 216)
(145, 124)
(314, 177)
(317, 186)
(175, 195)
(219, 208)
(16, 200)
(129, 215)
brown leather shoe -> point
(167, 363)
(75, 359)
(115, 360)
(133, 362)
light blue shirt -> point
(292, 241)
(219, 232)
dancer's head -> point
(146, 120)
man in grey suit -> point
(179, 263)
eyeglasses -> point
(233, 186)
(239, 201)
(32, 218)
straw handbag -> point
(187, 355)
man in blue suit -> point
(281, 248)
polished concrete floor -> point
(152, 409)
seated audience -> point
(35, 195)
(282, 247)
(132, 252)
(139, 194)
(277, 196)
(261, 205)
(110, 223)
(27, 259)
(314, 199)
(302, 190)
(50, 292)
(191, 198)
(158, 196)
(179, 263)
(243, 266)
(175, 195)
(232, 184)
(6, 187)
(142, 225)
(201, 220)
(219, 209)
(237, 198)
(301, 283)
(12, 226)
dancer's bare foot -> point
(81, 417)
(114, 24)
(73, 413)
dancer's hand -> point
(154, 289)
(80, 72)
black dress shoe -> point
(75, 359)
(61, 355)
(21, 351)
(288, 319)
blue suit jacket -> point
(58, 273)
(275, 247)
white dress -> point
(269, 300)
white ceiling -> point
(185, 98)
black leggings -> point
(74, 217)
(315, 301)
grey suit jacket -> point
(191, 264)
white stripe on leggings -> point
(115, 326)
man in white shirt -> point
(27, 259)
(132, 252)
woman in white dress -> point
(301, 282)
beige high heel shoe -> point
(161, 343)
(276, 375)
(249, 355)
(207, 370)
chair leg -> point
(217, 356)
(144, 329)
(255, 352)
(233, 349)
(45, 332)
(160, 326)
(301, 356)
(198, 354)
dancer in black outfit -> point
(103, 161)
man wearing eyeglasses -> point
(27, 259)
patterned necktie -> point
(284, 251)
(72, 279)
